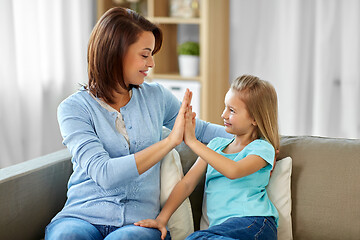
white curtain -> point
(310, 51)
(42, 59)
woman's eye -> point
(144, 56)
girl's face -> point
(138, 59)
(236, 117)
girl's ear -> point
(254, 123)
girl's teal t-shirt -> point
(240, 197)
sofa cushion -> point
(279, 191)
(180, 223)
(325, 186)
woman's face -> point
(139, 59)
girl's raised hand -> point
(177, 134)
(189, 134)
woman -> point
(113, 129)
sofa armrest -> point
(31, 193)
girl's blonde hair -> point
(260, 99)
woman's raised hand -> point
(177, 134)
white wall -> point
(310, 52)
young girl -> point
(238, 169)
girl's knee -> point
(199, 235)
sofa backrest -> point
(325, 186)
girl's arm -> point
(227, 167)
(180, 192)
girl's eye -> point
(231, 110)
(144, 56)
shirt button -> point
(130, 127)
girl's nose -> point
(223, 115)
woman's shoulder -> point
(151, 87)
(154, 91)
(76, 100)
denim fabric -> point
(77, 229)
(244, 228)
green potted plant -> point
(189, 59)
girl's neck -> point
(239, 143)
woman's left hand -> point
(177, 134)
(152, 223)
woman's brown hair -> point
(110, 39)
(260, 99)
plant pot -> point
(189, 65)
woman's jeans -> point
(77, 229)
(261, 228)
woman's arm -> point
(79, 134)
(224, 165)
(180, 192)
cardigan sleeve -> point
(79, 136)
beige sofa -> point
(325, 190)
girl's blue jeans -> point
(244, 228)
(77, 229)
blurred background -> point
(308, 49)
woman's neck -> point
(120, 99)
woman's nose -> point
(151, 62)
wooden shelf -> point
(174, 76)
(170, 20)
(213, 26)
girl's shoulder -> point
(262, 148)
(260, 143)
(219, 142)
